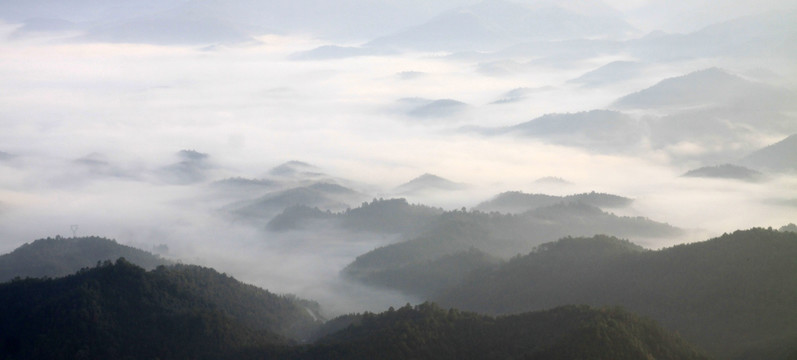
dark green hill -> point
(429, 278)
(63, 256)
(394, 216)
(571, 332)
(518, 202)
(121, 311)
(733, 296)
(499, 235)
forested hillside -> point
(382, 216)
(733, 295)
(571, 332)
(518, 202)
(498, 235)
(63, 256)
(121, 311)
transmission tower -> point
(74, 231)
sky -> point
(685, 16)
(130, 108)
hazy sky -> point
(685, 16)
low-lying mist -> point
(92, 135)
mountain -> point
(192, 167)
(596, 129)
(118, 310)
(431, 278)
(516, 95)
(97, 165)
(428, 182)
(295, 169)
(708, 88)
(209, 22)
(331, 52)
(552, 180)
(571, 332)
(726, 171)
(780, 156)
(324, 195)
(63, 256)
(493, 25)
(499, 235)
(767, 35)
(427, 109)
(519, 202)
(613, 72)
(239, 187)
(392, 216)
(716, 135)
(732, 295)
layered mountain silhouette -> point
(519, 202)
(391, 216)
(60, 256)
(192, 167)
(427, 183)
(118, 310)
(780, 156)
(708, 88)
(492, 25)
(571, 332)
(726, 171)
(613, 72)
(428, 109)
(603, 130)
(323, 195)
(499, 235)
(731, 295)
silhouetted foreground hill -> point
(733, 296)
(572, 332)
(120, 311)
(63, 256)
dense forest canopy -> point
(732, 295)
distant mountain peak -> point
(428, 181)
(709, 87)
(192, 155)
(293, 168)
(726, 171)
(780, 156)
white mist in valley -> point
(93, 133)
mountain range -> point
(498, 235)
(117, 311)
(731, 295)
(60, 256)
